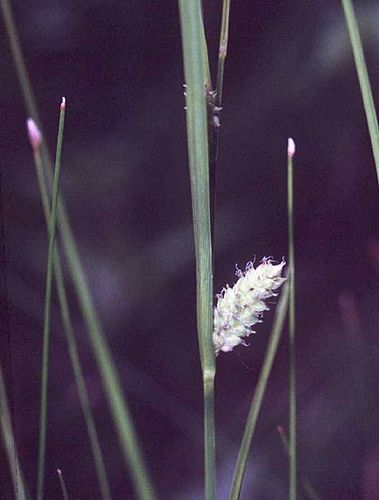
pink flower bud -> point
(35, 136)
(291, 148)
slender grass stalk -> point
(364, 81)
(207, 70)
(21, 70)
(9, 443)
(307, 485)
(63, 485)
(222, 51)
(239, 471)
(113, 390)
(46, 324)
(72, 345)
(119, 408)
(6, 422)
(197, 135)
(291, 326)
(214, 125)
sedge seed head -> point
(239, 308)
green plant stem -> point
(207, 70)
(119, 408)
(307, 485)
(197, 134)
(21, 70)
(9, 443)
(14, 41)
(118, 405)
(46, 324)
(63, 485)
(223, 48)
(291, 329)
(113, 390)
(214, 131)
(364, 81)
(259, 392)
(72, 345)
(209, 435)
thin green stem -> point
(113, 389)
(119, 408)
(209, 435)
(214, 126)
(307, 485)
(9, 443)
(46, 324)
(291, 329)
(197, 135)
(21, 70)
(22, 73)
(222, 51)
(63, 485)
(72, 345)
(207, 70)
(259, 392)
(364, 81)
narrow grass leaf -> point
(239, 471)
(113, 390)
(47, 309)
(112, 384)
(364, 81)
(119, 408)
(9, 443)
(306, 484)
(21, 70)
(207, 70)
(71, 342)
(197, 135)
(291, 326)
(215, 108)
(222, 51)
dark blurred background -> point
(125, 179)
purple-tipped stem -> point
(34, 133)
(291, 148)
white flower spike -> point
(241, 307)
